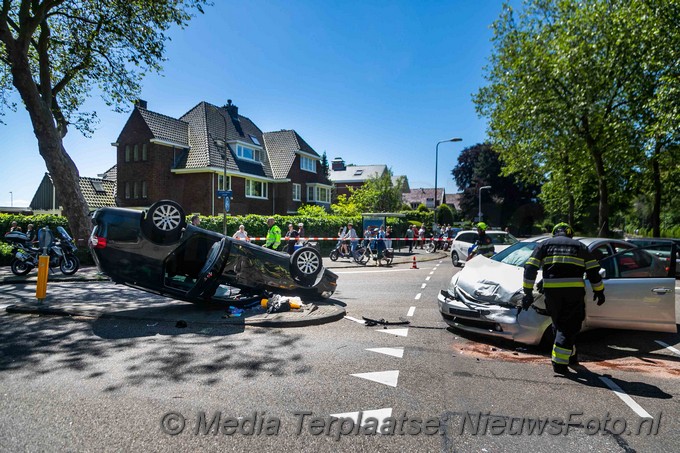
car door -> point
(639, 290)
(463, 243)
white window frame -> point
(257, 153)
(220, 178)
(297, 192)
(249, 189)
(307, 164)
(319, 190)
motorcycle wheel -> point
(429, 247)
(334, 255)
(69, 264)
(20, 268)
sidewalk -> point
(128, 304)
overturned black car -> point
(157, 251)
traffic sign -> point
(224, 193)
(227, 204)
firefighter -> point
(484, 245)
(273, 235)
(564, 261)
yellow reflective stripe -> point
(592, 264)
(564, 285)
(533, 262)
(560, 355)
(559, 259)
(598, 286)
(528, 285)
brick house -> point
(183, 159)
(345, 176)
(98, 193)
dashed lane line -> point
(625, 397)
(423, 286)
(393, 352)
(418, 296)
(427, 278)
(669, 347)
(360, 321)
(388, 378)
(411, 311)
(397, 332)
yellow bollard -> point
(43, 268)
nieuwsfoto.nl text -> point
(466, 423)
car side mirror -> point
(603, 273)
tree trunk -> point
(50, 145)
(603, 205)
(656, 175)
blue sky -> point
(373, 82)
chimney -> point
(338, 164)
(232, 110)
(141, 103)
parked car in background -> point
(661, 248)
(464, 240)
(155, 250)
(484, 296)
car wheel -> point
(20, 268)
(455, 259)
(69, 264)
(164, 222)
(334, 255)
(305, 265)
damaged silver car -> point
(484, 296)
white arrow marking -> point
(394, 352)
(398, 332)
(379, 414)
(381, 377)
(360, 321)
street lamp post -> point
(436, 162)
(479, 214)
(11, 198)
(222, 145)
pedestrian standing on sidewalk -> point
(409, 238)
(421, 236)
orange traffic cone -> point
(414, 266)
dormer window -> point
(245, 152)
(358, 172)
(307, 164)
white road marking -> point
(360, 417)
(381, 377)
(669, 347)
(394, 352)
(431, 272)
(418, 296)
(360, 321)
(398, 332)
(423, 286)
(427, 278)
(625, 398)
(369, 271)
(411, 311)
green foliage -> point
(345, 207)
(378, 194)
(445, 215)
(311, 210)
(422, 208)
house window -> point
(135, 190)
(144, 189)
(323, 195)
(297, 192)
(127, 190)
(220, 183)
(307, 164)
(127, 153)
(145, 153)
(256, 189)
(136, 153)
(248, 153)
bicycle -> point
(365, 253)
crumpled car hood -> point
(489, 281)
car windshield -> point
(502, 238)
(517, 254)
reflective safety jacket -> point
(564, 260)
(483, 246)
(273, 238)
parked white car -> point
(639, 286)
(464, 240)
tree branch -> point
(85, 62)
(44, 63)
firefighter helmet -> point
(563, 229)
(482, 226)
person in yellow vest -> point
(273, 235)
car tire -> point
(334, 255)
(305, 265)
(164, 222)
(455, 259)
(20, 268)
(69, 264)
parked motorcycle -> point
(61, 252)
(337, 252)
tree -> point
(564, 82)
(55, 52)
(378, 194)
(325, 170)
(445, 215)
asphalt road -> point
(106, 384)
